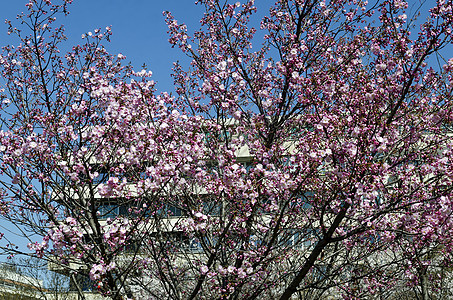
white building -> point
(14, 285)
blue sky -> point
(139, 29)
(138, 26)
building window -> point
(111, 209)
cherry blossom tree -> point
(85, 143)
(306, 154)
